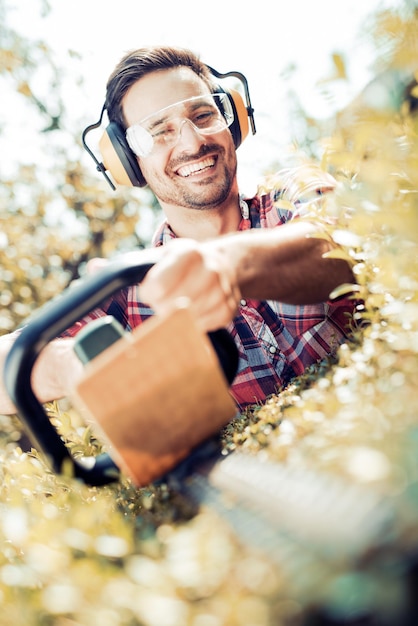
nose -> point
(189, 134)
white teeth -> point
(186, 170)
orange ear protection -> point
(119, 160)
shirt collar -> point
(164, 233)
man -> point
(243, 264)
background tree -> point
(55, 213)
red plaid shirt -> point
(276, 341)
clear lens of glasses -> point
(206, 114)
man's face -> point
(197, 172)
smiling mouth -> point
(196, 168)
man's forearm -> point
(54, 372)
(284, 264)
(6, 405)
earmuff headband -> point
(99, 165)
(243, 80)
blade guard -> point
(55, 317)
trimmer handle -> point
(50, 322)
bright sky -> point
(262, 39)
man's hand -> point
(199, 273)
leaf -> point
(343, 290)
(338, 253)
(339, 65)
(346, 238)
(284, 204)
(24, 89)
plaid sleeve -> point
(116, 306)
(125, 306)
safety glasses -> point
(206, 114)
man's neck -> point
(202, 224)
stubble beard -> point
(203, 197)
(212, 195)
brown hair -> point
(138, 63)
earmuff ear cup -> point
(239, 127)
(119, 159)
